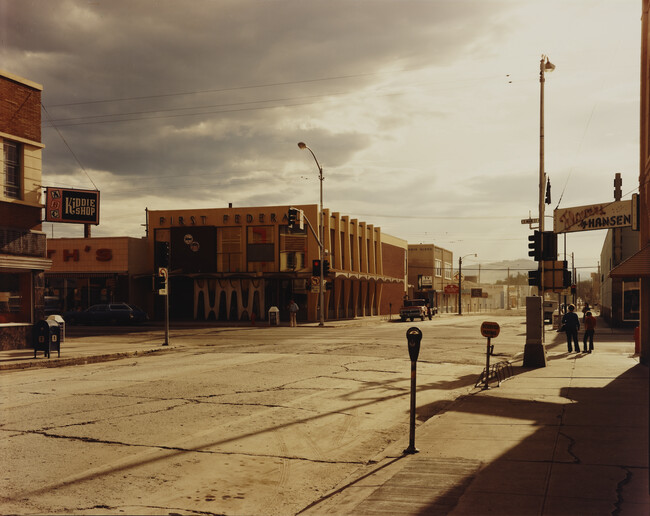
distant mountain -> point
(492, 272)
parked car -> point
(113, 313)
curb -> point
(90, 359)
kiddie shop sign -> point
(72, 206)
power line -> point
(70, 149)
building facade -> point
(22, 243)
(619, 297)
(430, 270)
(234, 264)
(637, 266)
(89, 271)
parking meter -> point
(414, 336)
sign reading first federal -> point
(72, 206)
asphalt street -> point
(233, 420)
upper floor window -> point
(11, 162)
(438, 268)
(447, 270)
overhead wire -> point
(70, 149)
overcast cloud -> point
(424, 114)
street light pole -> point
(321, 224)
(544, 66)
(460, 275)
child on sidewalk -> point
(590, 326)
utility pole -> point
(508, 290)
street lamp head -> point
(302, 145)
(548, 66)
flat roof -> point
(22, 80)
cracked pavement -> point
(237, 421)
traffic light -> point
(542, 246)
(293, 217)
(162, 254)
(535, 246)
(315, 267)
(534, 278)
(549, 250)
(566, 278)
(326, 267)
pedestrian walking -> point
(293, 311)
(590, 327)
(571, 325)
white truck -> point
(413, 308)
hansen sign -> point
(74, 206)
(615, 214)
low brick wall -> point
(15, 336)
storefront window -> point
(229, 250)
(15, 297)
(260, 249)
(293, 248)
(9, 293)
(630, 300)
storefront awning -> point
(636, 266)
(82, 275)
(8, 261)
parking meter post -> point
(487, 366)
(411, 448)
(166, 343)
(413, 337)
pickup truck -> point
(549, 308)
(413, 308)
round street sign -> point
(490, 329)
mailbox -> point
(46, 337)
(414, 336)
(61, 322)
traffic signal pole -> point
(319, 241)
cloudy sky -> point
(423, 114)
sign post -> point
(163, 273)
(489, 330)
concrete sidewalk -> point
(567, 439)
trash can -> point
(46, 337)
(556, 321)
(61, 322)
(274, 316)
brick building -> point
(637, 266)
(230, 263)
(430, 270)
(89, 271)
(22, 243)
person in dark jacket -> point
(571, 326)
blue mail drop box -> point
(46, 337)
